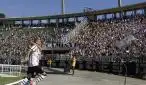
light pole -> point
(62, 7)
(120, 5)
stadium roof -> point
(99, 12)
(2, 15)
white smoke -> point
(125, 42)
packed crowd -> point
(112, 37)
(101, 38)
(14, 43)
(60, 38)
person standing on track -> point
(73, 64)
(33, 58)
(49, 62)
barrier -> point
(136, 66)
(12, 70)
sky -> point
(25, 8)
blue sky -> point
(23, 8)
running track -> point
(57, 77)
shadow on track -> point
(58, 72)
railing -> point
(16, 71)
(12, 70)
(136, 65)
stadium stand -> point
(112, 36)
(15, 42)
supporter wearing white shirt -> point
(34, 55)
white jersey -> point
(34, 56)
